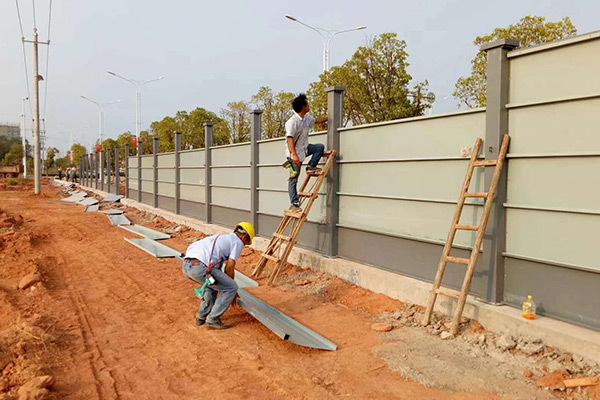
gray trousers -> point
(218, 296)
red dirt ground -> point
(109, 321)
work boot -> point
(200, 321)
(295, 208)
(216, 324)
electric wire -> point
(47, 59)
(24, 57)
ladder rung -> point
(269, 257)
(293, 214)
(303, 194)
(312, 173)
(458, 260)
(467, 227)
(448, 292)
(327, 153)
(487, 163)
(280, 236)
(481, 195)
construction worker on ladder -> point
(203, 260)
(297, 147)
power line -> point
(24, 57)
(47, 58)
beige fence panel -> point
(192, 158)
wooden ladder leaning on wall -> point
(285, 237)
(470, 262)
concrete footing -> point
(496, 318)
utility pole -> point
(23, 138)
(37, 171)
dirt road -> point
(121, 323)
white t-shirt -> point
(298, 128)
(228, 247)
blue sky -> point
(216, 52)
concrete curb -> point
(499, 319)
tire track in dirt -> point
(104, 389)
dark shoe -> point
(200, 321)
(218, 324)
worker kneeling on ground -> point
(202, 263)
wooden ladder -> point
(470, 262)
(282, 242)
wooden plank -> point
(467, 227)
(270, 257)
(280, 236)
(481, 195)
(448, 292)
(458, 260)
(488, 163)
(293, 214)
(580, 382)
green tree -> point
(377, 84)
(145, 142)
(77, 151)
(122, 140)
(14, 156)
(191, 125)
(51, 154)
(529, 31)
(6, 144)
(276, 108)
(62, 162)
(237, 117)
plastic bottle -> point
(529, 308)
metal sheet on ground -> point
(282, 325)
(111, 198)
(243, 281)
(154, 248)
(119, 219)
(87, 201)
(112, 211)
(92, 208)
(146, 232)
(74, 198)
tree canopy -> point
(529, 31)
(276, 110)
(377, 84)
(77, 151)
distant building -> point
(10, 130)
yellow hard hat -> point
(248, 228)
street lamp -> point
(100, 126)
(138, 98)
(326, 36)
